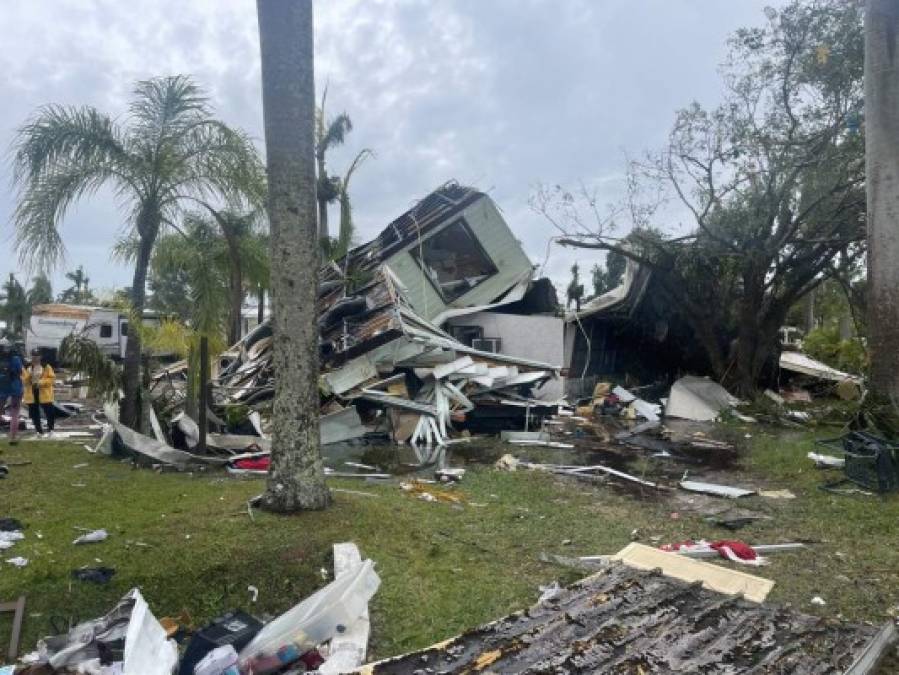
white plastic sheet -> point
(314, 621)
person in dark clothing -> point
(10, 387)
(38, 381)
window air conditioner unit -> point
(487, 345)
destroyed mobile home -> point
(434, 328)
(398, 354)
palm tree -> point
(41, 292)
(224, 254)
(169, 149)
(882, 169)
(15, 309)
(345, 234)
(79, 293)
(296, 479)
(328, 133)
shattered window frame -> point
(421, 250)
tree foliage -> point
(770, 183)
(167, 153)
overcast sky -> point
(500, 94)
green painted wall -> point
(495, 237)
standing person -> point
(10, 387)
(38, 381)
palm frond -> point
(43, 204)
(164, 106)
(83, 355)
(69, 135)
(126, 248)
(335, 132)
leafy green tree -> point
(605, 279)
(169, 149)
(200, 265)
(772, 180)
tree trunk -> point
(235, 320)
(810, 311)
(296, 479)
(882, 181)
(260, 307)
(323, 228)
(131, 380)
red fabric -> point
(739, 548)
(254, 464)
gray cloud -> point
(501, 93)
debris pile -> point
(387, 367)
(327, 632)
(630, 617)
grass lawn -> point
(444, 568)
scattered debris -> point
(827, 461)
(97, 575)
(348, 648)
(317, 619)
(427, 493)
(623, 619)
(777, 494)
(17, 609)
(717, 490)
(92, 537)
(713, 577)
(699, 399)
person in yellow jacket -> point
(38, 381)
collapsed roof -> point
(625, 620)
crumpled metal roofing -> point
(624, 620)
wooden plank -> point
(713, 577)
(348, 648)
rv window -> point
(124, 329)
(105, 330)
(454, 261)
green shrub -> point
(825, 345)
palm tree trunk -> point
(323, 229)
(131, 380)
(260, 307)
(235, 322)
(882, 171)
(296, 479)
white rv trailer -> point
(50, 324)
